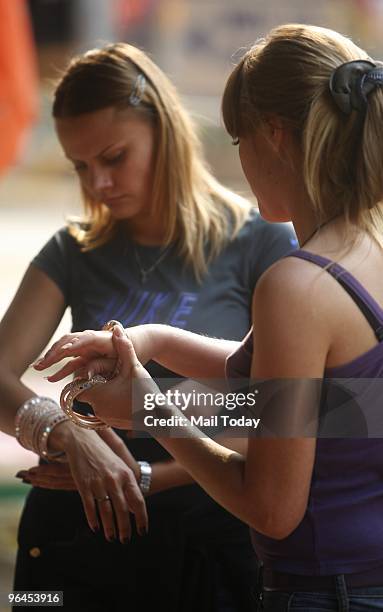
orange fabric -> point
(131, 11)
(18, 79)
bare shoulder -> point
(290, 320)
(293, 280)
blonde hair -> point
(199, 213)
(287, 75)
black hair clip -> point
(351, 83)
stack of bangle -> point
(34, 422)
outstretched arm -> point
(188, 354)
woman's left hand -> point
(116, 401)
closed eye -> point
(79, 166)
(111, 161)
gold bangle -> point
(68, 395)
(110, 325)
(76, 387)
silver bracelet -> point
(145, 476)
(34, 422)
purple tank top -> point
(342, 530)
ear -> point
(275, 131)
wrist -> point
(168, 475)
(66, 436)
(60, 436)
(35, 421)
(135, 467)
(158, 336)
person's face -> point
(266, 173)
(112, 152)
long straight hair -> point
(200, 214)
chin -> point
(273, 215)
(122, 212)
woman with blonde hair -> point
(306, 106)
(162, 242)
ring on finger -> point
(102, 499)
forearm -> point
(218, 470)
(13, 394)
(170, 474)
(188, 354)
(25, 329)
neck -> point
(329, 235)
(304, 221)
(315, 231)
(146, 231)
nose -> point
(101, 181)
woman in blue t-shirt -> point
(162, 242)
(306, 106)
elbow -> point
(277, 532)
(276, 525)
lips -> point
(112, 201)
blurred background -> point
(196, 42)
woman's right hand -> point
(101, 465)
(91, 345)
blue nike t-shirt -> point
(106, 283)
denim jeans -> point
(340, 599)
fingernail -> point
(37, 362)
(69, 344)
(95, 528)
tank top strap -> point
(365, 302)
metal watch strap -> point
(145, 476)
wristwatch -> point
(145, 476)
